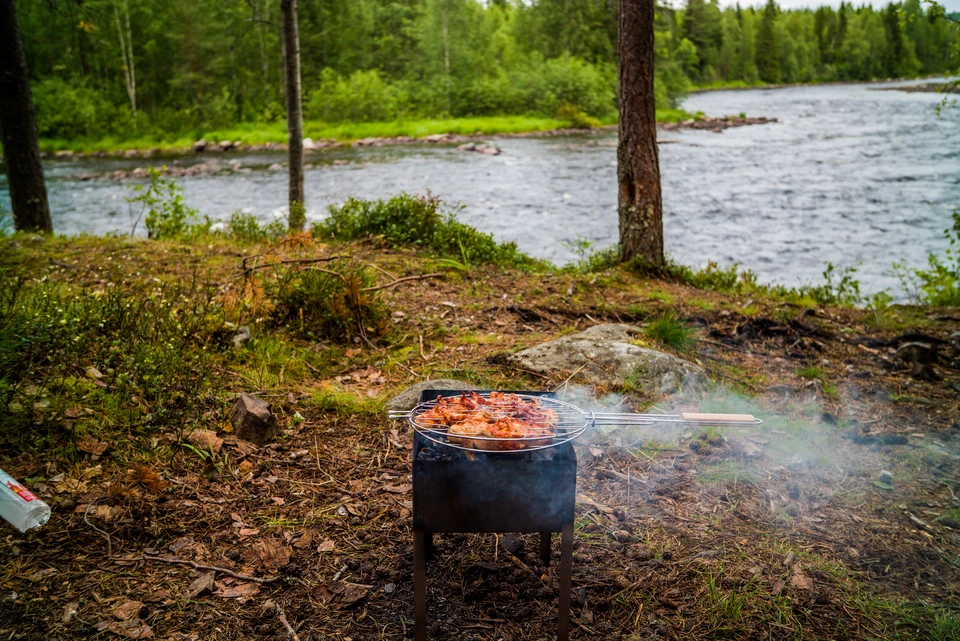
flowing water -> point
(849, 175)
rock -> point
(130, 153)
(604, 355)
(200, 145)
(746, 449)
(512, 543)
(253, 420)
(467, 146)
(275, 167)
(241, 337)
(14, 245)
(436, 137)
(886, 477)
(36, 239)
(309, 145)
(408, 398)
(390, 588)
(923, 353)
(225, 145)
(64, 153)
(488, 150)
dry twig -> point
(213, 568)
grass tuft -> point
(670, 331)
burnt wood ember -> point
(460, 491)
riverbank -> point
(740, 85)
(271, 136)
(120, 419)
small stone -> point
(512, 543)
(390, 588)
(200, 145)
(789, 559)
(275, 167)
(253, 420)
(886, 477)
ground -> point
(786, 530)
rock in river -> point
(605, 355)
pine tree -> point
(768, 55)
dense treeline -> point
(154, 66)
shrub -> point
(576, 118)
(167, 216)
(363, 96)
(671, 331)
(418, 221)
(247, 229)
(144, 353)
(69, 111)
(335, 302)
(940, 284)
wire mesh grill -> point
(548, 422)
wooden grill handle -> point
(717, 418)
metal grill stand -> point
(492, 493)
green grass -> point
(811, 372)
(276, 132)
(671, 331)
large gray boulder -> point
(408, 398)
(605, 355)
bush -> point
(145, 353)
(418, 221)
(940, 284)
(363, 96)
(247, 229)
(167, 216)
(576, 118)
(335, 302)
(69, 111)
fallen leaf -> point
(205, 440)
(241, 591)
(202, 585)
(350, 593)
(178, 544)
(273, 555)
(398, 489)
(326, 546)
(70, 612)
(305, 540)
(93, 372)
(133, 629)
(277, 500)
(72, 412)
(244, 468)
(92, 446)
(40, 575)
(148, 478)
(246, 531)
(127, 611)
(800, 580)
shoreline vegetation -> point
(274, 136)
(121, 358)
(424, 132)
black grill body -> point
(492, 492)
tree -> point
(291, 67)
(18, 130)
(638, 163)
(768, 56)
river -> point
(849, 175)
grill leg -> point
(545, 548)
(428, 546)
(420, 585)
(566, 570)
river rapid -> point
(850, 175)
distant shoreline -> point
(832, 83)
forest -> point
(160, 68)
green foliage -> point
(940, 283)
(811, 372)
(418, 221)
(167, 216)
(247, 229)
(670, 331)
(363, 96)
(576, 118)
(211, 66)
(143, 353)
(336, 302)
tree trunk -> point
(264, 64)
(638, 162)
(126, 51)
(291, 64)
(18, 130)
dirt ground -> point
(787, 530)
